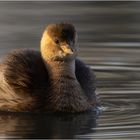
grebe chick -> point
(52, 80)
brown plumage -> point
(51, 80)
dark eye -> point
(56, 41)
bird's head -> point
(58, 42)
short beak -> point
(67, 49)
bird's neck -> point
(58, 69)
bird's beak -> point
(67, 49)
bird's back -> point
(25, 69)
(23, 81)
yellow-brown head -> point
(58, 42)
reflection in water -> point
(109, 42)
(46, 125)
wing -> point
(23, 81)
(86, 78)
(25, 71)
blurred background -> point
(109, 42)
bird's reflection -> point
(46, 125)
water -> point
(109, 42)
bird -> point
(53, 79)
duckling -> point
(50, 80)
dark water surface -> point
(109, 42)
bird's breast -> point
(66, 95)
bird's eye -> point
(56, 41)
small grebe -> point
(51, 80)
